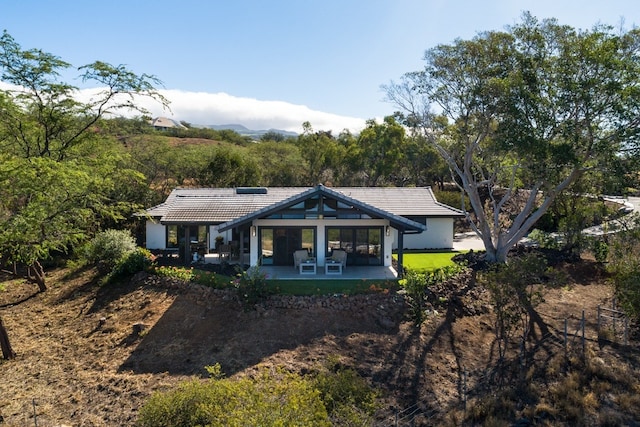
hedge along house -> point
(267, 225)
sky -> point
(274, 64)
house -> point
(267, 225)
(164, 123)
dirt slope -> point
(82, 362)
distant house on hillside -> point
(164, 123)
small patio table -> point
(332, 267)
(308, 266)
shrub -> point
(209, 279)
(543, 239)
(138, 260)
(108, 248)
(349, 399)
(251, 286)
(600, 250)
(271, 398)
(416, 286)
(181, 273)
(624, 266)
(516, 289)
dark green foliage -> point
(133, 262)
(416, 285)
(348, 398)
(229, 168)
(251, 286)
(600, 249)
(624, 266)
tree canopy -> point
(519, 115)
(59, 178)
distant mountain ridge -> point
(243, 130)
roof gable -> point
(320, 190)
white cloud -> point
(200, 108)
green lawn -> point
(427, 261)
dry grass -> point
(81, 370)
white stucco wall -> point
(156, 235)
(438, 235)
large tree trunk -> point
(7, 351)
(35, 273)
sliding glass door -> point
(362, 244)
(277, 244)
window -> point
(172, 236)
(176, 235)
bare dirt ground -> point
(81, 361)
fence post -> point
(583, 336)
(35, 414)
(464, 390)
(565, 338)
(598, 330)
(626, 330)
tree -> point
(382, 148)
(317, 148)
(43, 118)
(530, 110)
(57, 184)
(281, 163)
(229, 168)
(5, 346)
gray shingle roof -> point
(218, 205)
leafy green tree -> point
(421, 165)
(40, 115)
(281, 163)
(530, 111)
(382, 148)
(347, 167)
(49, 207)
(273, 136)
(317, 149)
(229, 168)
(57, 183)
